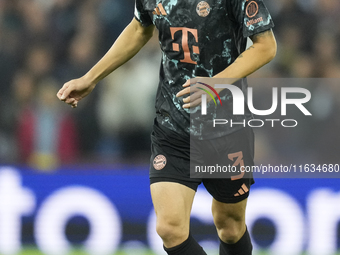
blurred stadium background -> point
(75, 181)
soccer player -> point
(197, 39)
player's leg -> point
(230, 193)
(173, 190)
(229, 219)
(172, 202)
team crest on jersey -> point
(159, 162)
(203, 9)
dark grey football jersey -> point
(198, 38)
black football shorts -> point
(172, 155)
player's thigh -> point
(172, 203)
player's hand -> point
(194, 89)
(75, 90)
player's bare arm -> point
(131, 40)
(259, 54)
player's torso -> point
(195, 35)
(197, 38)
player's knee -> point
(229, 235)
(171, 230)
(229, 230)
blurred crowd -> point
(45, 43)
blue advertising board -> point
(103, 209)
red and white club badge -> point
(203, 9)
(159, 162)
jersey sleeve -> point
(141, 14)
(252, 15)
